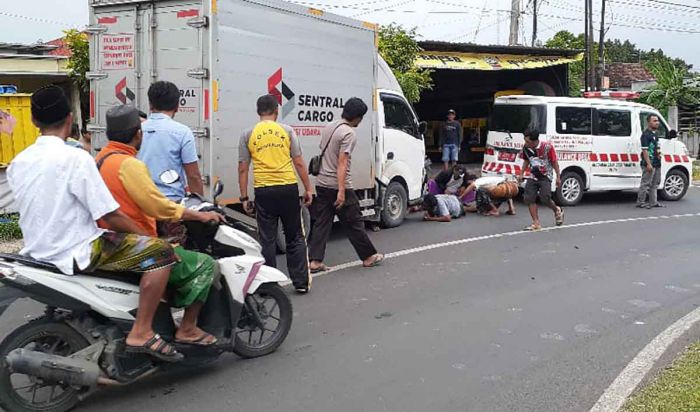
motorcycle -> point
(78, 345)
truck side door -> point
(404, 150)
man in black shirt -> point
(651, 165)
(450, 139)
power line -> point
(38, 19)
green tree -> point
(79, 65)
(570, 41)
(400, 49)
(674, 85)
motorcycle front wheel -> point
(24, 393)
(261, 337)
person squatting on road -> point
(454, 182)
(129, 181)
(442, 208)
(61, 196)
(275, 151)
(651, 165)
(450, 139)
(334, 191)
(541, 159)
(491, 193)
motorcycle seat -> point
(126, 277)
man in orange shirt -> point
(132, 187)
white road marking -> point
(392, 255)
(622, 387)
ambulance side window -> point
(574, 120)
(613, 123)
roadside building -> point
(469, 77)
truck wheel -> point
(571, 190)
(395, 205)
(305, 220)
(675, 185)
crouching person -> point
(492, 192)
(132, 187)
(442, 208)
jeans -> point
(450, 153)
(648, 186)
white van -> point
(597, 143)
(224, 54)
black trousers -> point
(322, 212)
(273, 204)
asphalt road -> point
(528, 322)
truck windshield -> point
(511, 118)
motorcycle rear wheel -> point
(48, 336)
(275, 309)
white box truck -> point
(224, 54)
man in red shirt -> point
(541, 158)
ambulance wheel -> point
(570, 192)
(305, 220)
(675, 185)
(395, 205)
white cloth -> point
(489, 180)
(60, 195)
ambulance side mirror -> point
(423, 127)
(672, 134)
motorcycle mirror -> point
(218, 189)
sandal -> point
(510, 213)
(163, 351)
(319, 269)
(532, 228)
(559, 217)
(376, 262)
(207, 339)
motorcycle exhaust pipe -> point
(53, 368)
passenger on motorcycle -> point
(60, 196)
(131, 185)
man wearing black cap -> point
(131, 185)
(450, 139)
(60, 197)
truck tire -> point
(570, 192)
(675, 186)
(305, 220)
(395, 205)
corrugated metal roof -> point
(495, 49)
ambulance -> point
(597, 143)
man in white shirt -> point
(60, 196)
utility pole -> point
(534, 23)
(601, 47)
(514, 22)
(587, 55)
(591, 43)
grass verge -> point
(9, 227)
(677, 388)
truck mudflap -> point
(8, 295)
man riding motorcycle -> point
(130, 183)
(60, 196)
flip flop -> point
(163, 351)
(200, 341)
(319, 269)
(559, 218)
(376, 262)
(532, 228)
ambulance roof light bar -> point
(612, 95)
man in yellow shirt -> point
(275, 152)
(130, 183)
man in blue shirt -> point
(168, 147)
